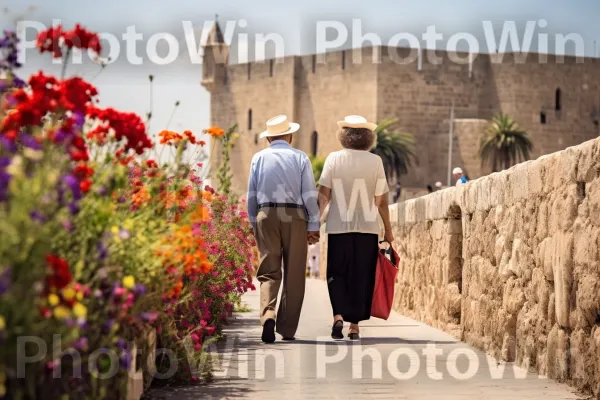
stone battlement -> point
(510, 263)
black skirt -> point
(351, 266)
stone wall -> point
(510, 263)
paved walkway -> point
(399, 362)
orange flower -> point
(140, 197)
(169, 137)
(201, 214)
(214, 131)
(206, 195)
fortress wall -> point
(335, 89)
(510, 263)
(525, 90)
(266, 95)
(422, 101)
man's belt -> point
(279, 205)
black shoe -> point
(353, 336)
(336, 330)
(268, 333)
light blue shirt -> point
(282, 174)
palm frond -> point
(396, 149)
(504, 143)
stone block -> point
(588, 163)
(558, 354)
(535, 177)
(563, 276)
(588, 300)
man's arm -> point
(309, 196)
(252, 199)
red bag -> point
(385, 281)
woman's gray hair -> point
(357, 138)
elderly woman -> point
(354, 186)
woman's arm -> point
(324, 199)
(384, 211)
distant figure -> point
(461, 179)
(438, 185)
(398, 191)
(429, 189)
(314, 250)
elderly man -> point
(283, 209)
(460, 177)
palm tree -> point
(396, 149)
(504, 144)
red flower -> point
(151, 164)
(128, 126)
(82, 171)
(85, 185)
(52, 40)
(60, 276)
(49, 41)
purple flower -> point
(8, 144)
(126, 359)
(5, 178)
(149, 317)
(73, 183)
(5, 280)
(139, 289)
(79, 119)
(30, 141)
(37, 216)
(122, 344)
(81, 343)
(73, 207)
(108, 325)
(102, 251)
(102, 191)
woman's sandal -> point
(353, 334)
(336, 330)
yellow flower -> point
(79, 296)
(2, 323)
(61, 312)
(53, 300)
(69, 294)
(34, 155)
(128, 224)
(115, 230)
(129, 282)
(79, 310)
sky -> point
(126, 86)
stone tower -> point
(216, 55)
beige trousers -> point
(282, 242)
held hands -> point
(313, 237)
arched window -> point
(250, 119)
(314, 143)
(543, 118)
(558, 100)
(271, 67)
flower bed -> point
(101, 245)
